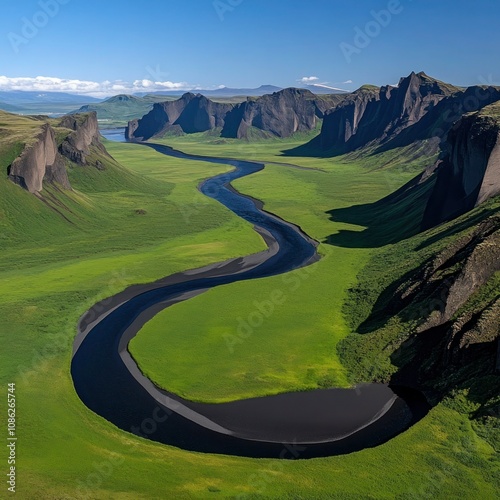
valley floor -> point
(159, 224)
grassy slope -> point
(68, 452)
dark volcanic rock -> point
(437, 291)
(471, 331)
(454, 311)
(280, 114)
(436, 124)
(189, 114)
(469, 172)
(202, 114)
(371, 115)
(77, 145)
(57, 173)
(43, 161)
(39, 162)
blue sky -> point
(106, 46)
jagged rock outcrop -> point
(473, 331)
(435, 125)
(39, 162)
(434, 294)
(77, 145)
(469, 171)
(451, 308)
(377, 115)
(280, 114)
(189, 114)
(43, 160)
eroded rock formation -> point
(377, 115)
(43, 160)
(439, 289)
(38, 162)
(189, 114)
(469, 172)
(280, 115)
(77, 145)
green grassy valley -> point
(142, 218)
(250, 250)
(295, 347)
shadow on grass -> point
(387, 221)
(312, 149)
(426, 361)
(390, 303)
(457, 228)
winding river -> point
(309, 424)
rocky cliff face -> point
(38, 162)
(444, 284)
(373, 115)
(437, 326)
(43, 160)
(435, 125)
(469, 171)
(280, 114)
(454, 304)
(189, 114)
(77, 145)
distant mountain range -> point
(257, 92)
(22, 98)
(120, 109)
(221, 92)
(10, 107)
(42, 103)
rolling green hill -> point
(117, 111)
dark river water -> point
(308, 424)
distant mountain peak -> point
(295, 91)
(122, 98)
(424, 80)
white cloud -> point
(347, 82)
(85, 87)
(308, 79)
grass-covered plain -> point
(142, 222)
